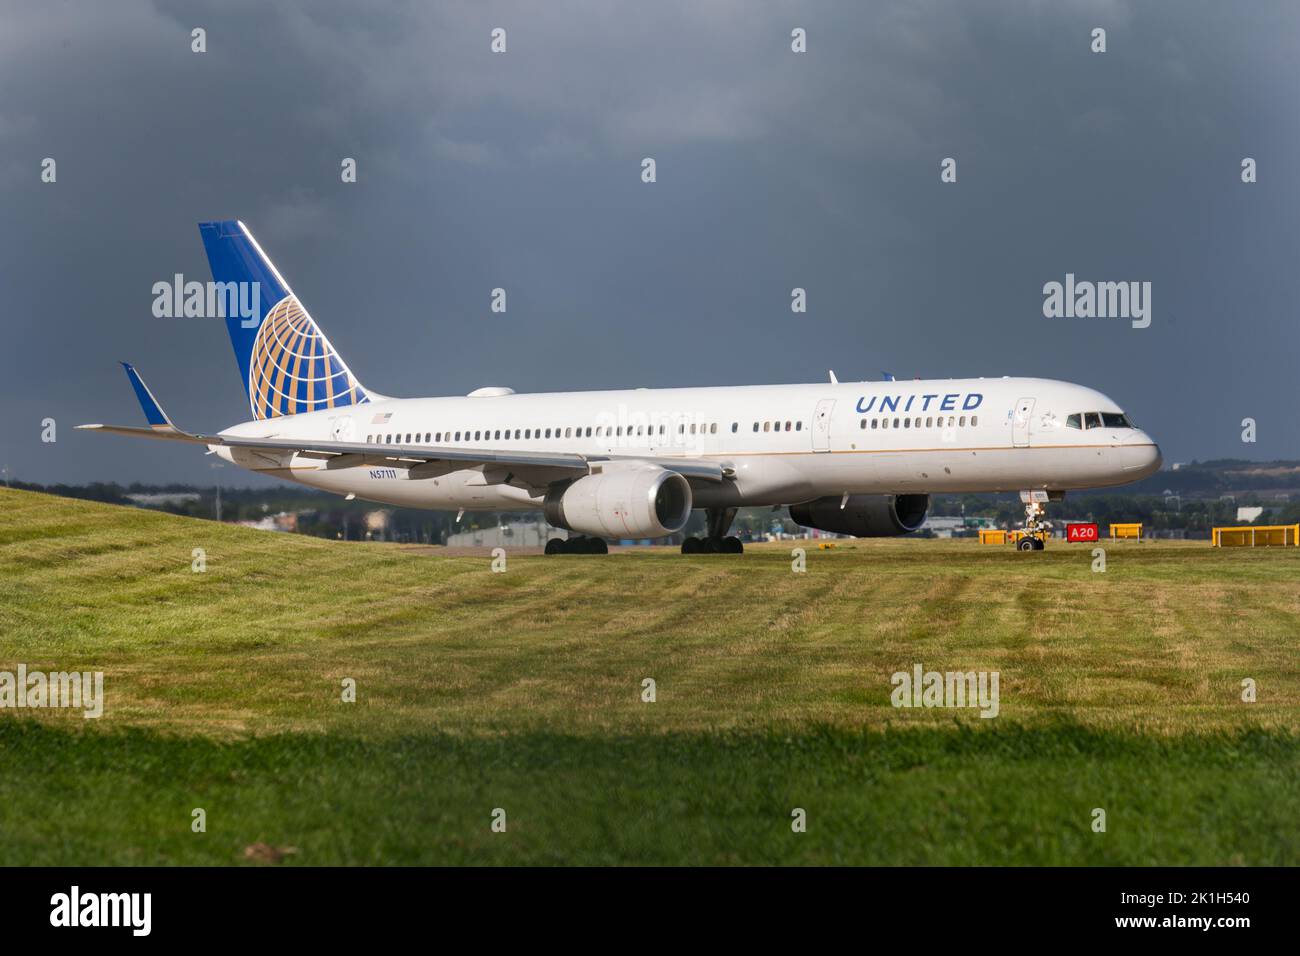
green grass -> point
(522, 691)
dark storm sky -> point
(775, 170)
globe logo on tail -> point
(294, 369)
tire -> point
(712, 545)
(555, 546)
(732, 545)
(596, 546)
(1039, 544)
(691, 546)
(1027, 544)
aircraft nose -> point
(1140, 456)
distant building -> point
(284, 521)
(516, 534)
(942, 526)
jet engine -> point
(637, 502)
(864, 516)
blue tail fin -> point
(287, 364)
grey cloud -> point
(522, 170)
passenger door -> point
(821, 430)
(1020, 422)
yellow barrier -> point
(1252, 536)
(1133, 530)
(992, 536)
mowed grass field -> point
(522, 691)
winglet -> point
(153, 412)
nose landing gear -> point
(1037, 528)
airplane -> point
(858, 458)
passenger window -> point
(974, 420)
(713, 428)
(863, 423)
(755, 426)
(895, 422)
(961, 422)
(798, 426)
(873, 423)
(734, 426)
(787, 426)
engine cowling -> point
(646, 502)
(864, 516)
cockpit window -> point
(1115, 420)
(1093, 419)
(1074, 421)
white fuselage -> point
(784, 443)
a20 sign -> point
(1080, 532)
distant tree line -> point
(1192, 500)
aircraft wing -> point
(538, 467)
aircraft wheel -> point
(555, 546)
(732, 545)
(712, 545)
(596, 546)
(691, 546)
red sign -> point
(1080, 532)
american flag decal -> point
(381, 419)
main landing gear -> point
(577, 545)
(717, 541)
